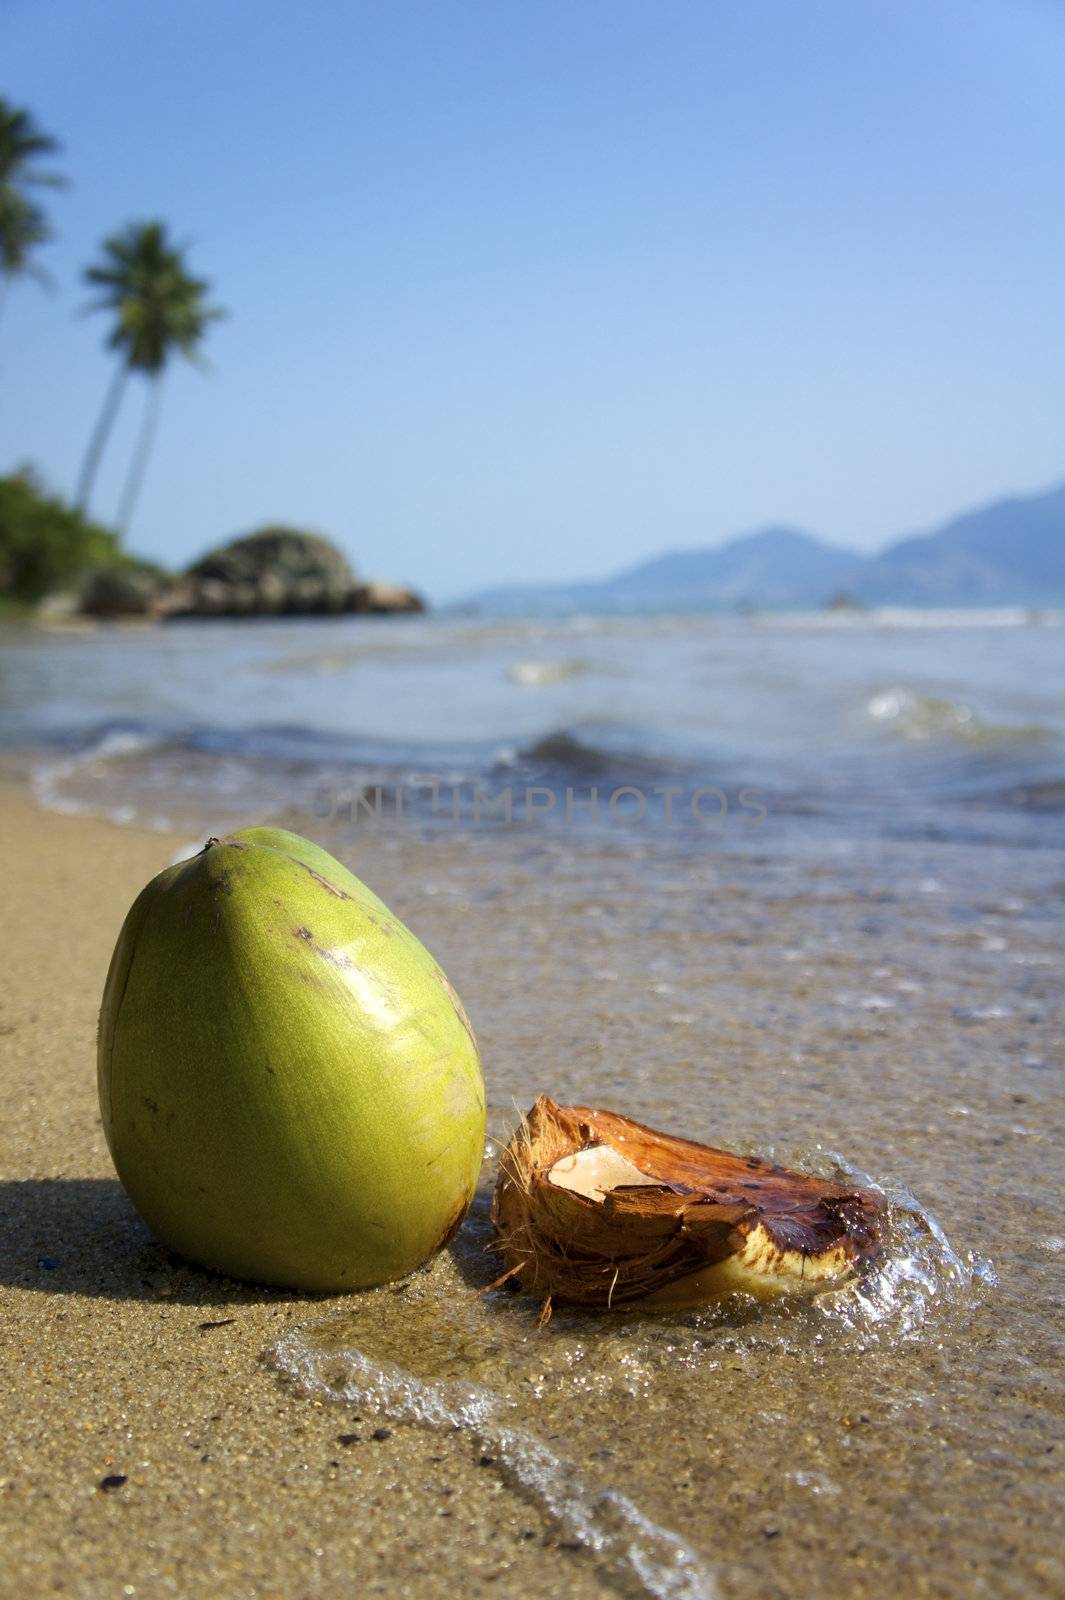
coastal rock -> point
(280, 572)
(383, 599)
(273, 572)
(120, 592)
(61, 607)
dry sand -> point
(122, 1363)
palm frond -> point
(23, 225)
(159, 307)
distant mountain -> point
(1008, 553)
(1011, 552)
(776, 567)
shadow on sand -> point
(82, 1236)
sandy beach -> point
(121, 1363)
(172, 1432)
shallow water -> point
(866, 977)
(589, 1412)
(890, 1010)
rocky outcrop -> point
(383, 599)
(121, 592)
(269, 573)
(280, 572)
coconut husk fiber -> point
(594, 1209)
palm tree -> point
(159, 308)
(23, 224)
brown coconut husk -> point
(594, 1209)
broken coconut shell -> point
(597, 1210)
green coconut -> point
(290, 1087)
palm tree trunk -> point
(100, 433)
(146, 439)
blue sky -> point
(523, 291)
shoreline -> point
(888, 614)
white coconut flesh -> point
(597, 1171)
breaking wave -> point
(538, 674)
(926, 719)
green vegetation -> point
(47, 547)
(159, 308)
(23, 223)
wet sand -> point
(899, 1006)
